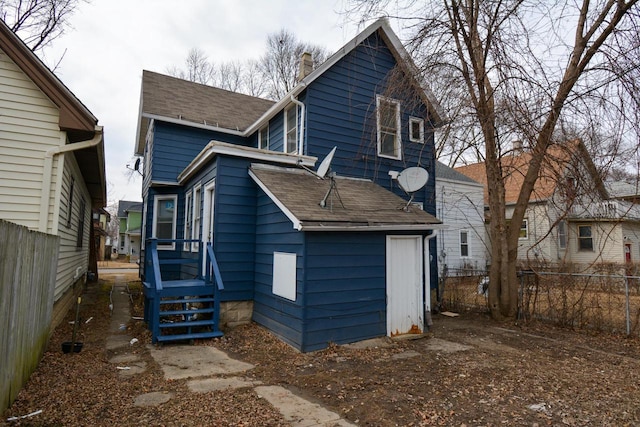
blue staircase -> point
(183, 308)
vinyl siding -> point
(607, 243)
(29, 127)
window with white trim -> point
(388, 127)
(291, 129)
(464, 243)
(416, 130)
(562, 234)
(197, 209)
(164, 219)
(263, 138)
(524, 230)
(188, 219)
(585, 238)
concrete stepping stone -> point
(217, 384)
(115, 342)
(155, 398)
(189, 361)
(298, 411)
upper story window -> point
(388, 123)
(164, 220)
(464, 243)
(562, 234)
(263, 138)
(291, 129)
(585, 238)
(416, 130)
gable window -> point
(291, 129)
(464, 243)
(70, 201)
(81, 215)
(263, 138)
(197, 198)
(188, 219)
(585, 238)
(388, 120)
(562, 234)
(164, 220)
(524, 230)
(416, 130)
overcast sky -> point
(112, 41)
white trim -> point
(154, 228)
(296, 222)
(188, 219)
(386, 227)
(209, 194)
(420, 139)
(164, 183)
(196, 212)
(468, 255)
(193, 124)
(264, 128)
(223, 148)
(286, 129)
(398, 134)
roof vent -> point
(306, 65)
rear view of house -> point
(318, 209)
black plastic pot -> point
(66, 347)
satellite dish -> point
(412, 179)
(326, 163)
(136, 166)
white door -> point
(404, 285)
(207, 219)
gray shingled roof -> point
(179, 99)
(125, 206)
(445, 172)
(365, 203)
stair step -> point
(194, 336)
(192, 311)
(190, 300)
(187, 324)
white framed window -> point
(291, 129)
(388, 127)
(524, 230)
(416, 130)
(197, 209)
(188, 219)
(164, 220)
(562, 234)
(464, 244)
(284, 275)
(263, 138)
(585, 238)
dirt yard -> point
(468, 371)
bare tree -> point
(37, 22)
(527, 67)
(197, 69)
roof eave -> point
(373, 227)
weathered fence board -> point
(28, 261)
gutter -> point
(302, 119)
(48, 169)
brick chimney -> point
(306, 66)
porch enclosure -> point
(27, 280)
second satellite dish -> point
(326, 164)
(412, 179)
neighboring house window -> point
(388, 120)
(464, 243)
(81, 215)
(263, 138)
(524, 230)
(562, 234)
(291, 129)
(284, 275)
(585, 238)
(164, 220)
(188, 219)
(70, 201)
(197, 208)
(416, 130)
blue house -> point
(242, 222)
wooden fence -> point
(28, 261)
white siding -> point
(28, 128)
(607, 243)
(460, 206)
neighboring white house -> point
(51, 161)
(129, 229)
(460, 206)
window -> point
(263, 138)
(188, 219)
(164, 220)
(562, 234)
(291, 129)
(284, 275)
(585, 238)
(524, 230)
(81, 215)
(70, 201)
(416, 130)
(197, 208)
(388, 119)
(464, 243)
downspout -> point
(48, 170)
(427, 278)
(302, 116)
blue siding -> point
(345, 288)
(274, 232)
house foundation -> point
(235, 313)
